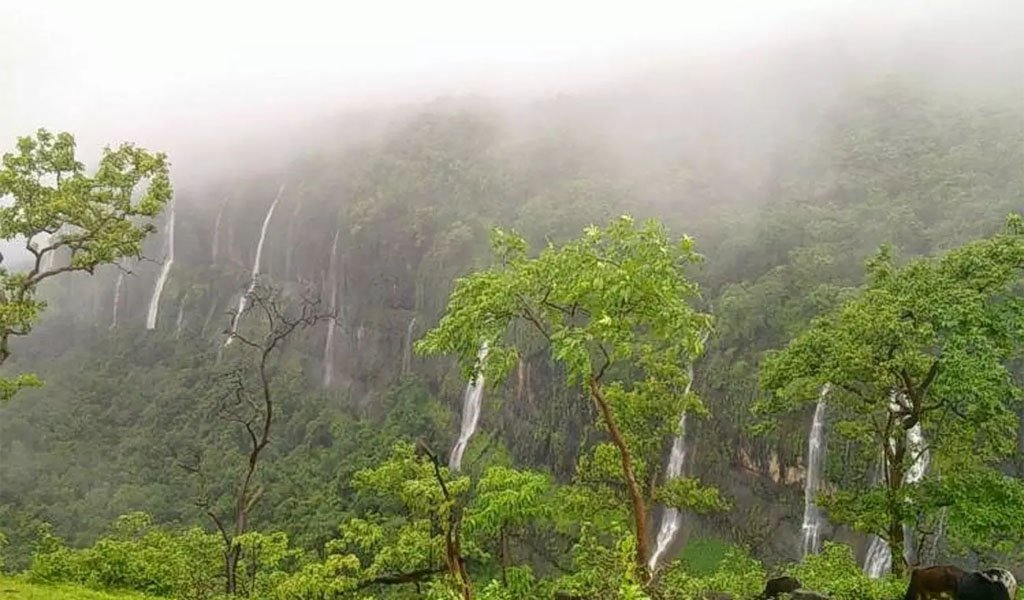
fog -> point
(790, 138)
(194, 78)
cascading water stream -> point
(671, 519)
(470, 412)
(50, 258)
(813, 519)
(878, 560)
(180, 321)
(255, 268)
(332, 324)
(117, 299)
(407, 347)
(154, 301)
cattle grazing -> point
(780, 585)
(991, 584)
(1005, 577)
(933, 583)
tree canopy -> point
(926, 343)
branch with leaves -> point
(64, 214)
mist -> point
(203, 81)
(357, 156)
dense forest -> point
(713, 323)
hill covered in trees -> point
(130, 466)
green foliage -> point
(612, 308)
(736, 573)
(87, 221)
(919, 170)
(136, 556)
(507, 498)
(835, 573)
(19, 589)
(925, 343)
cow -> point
(1007, 579)
(780, 585)
(990, 584)
(933, 583)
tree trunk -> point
(639, 508)
(504, 557)
(231, 570)
(895, 526)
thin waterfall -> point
(878, 560)
(117, 299)
(930, 553)
(332, 324)
(470, 412)
(407, 348)
(216, 232)
(813, 518)
(255, 268)
(671, 519)
(178, 322)
(50, 258)
(154, 301)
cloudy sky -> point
(160, 72)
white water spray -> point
(878, 560)
(117, 299)
(813, 519)
(407, 348)
(470, 412)
(154, 301)
(255, 268)
(671, 519)
(332, 324)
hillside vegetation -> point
(769, 251)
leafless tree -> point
(250, 406)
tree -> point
(250, 405)
(612, 309)
(56, 208)
(924, 344)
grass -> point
(702, 556)
(13, 588)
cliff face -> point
(783, 231)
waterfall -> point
(815, 460)
(470, 412)
(50, 258)
(332, 324)
(878, 559)
(216, 231)
(879, 556)
(154, 301)
(255, 268)
(407, 348)
(178, 322)
(117, 298)
(671, 519)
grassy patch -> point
(12, 588)
(702, 556)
